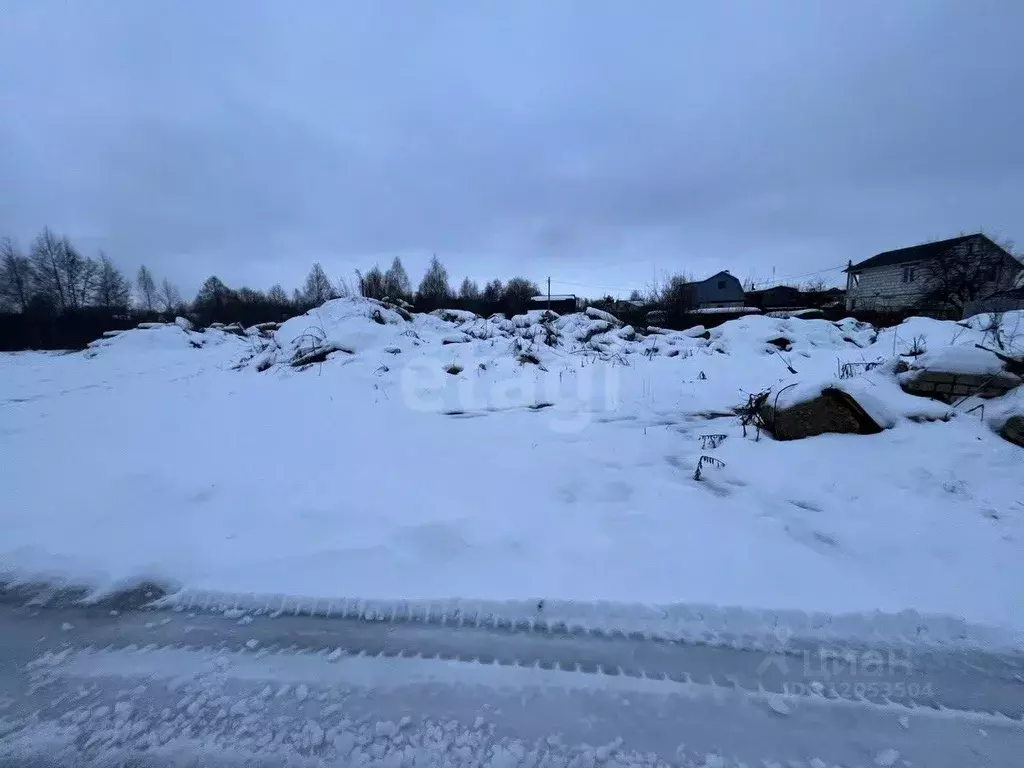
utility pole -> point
(549, 293)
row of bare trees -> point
(54, 285)
(54, 277)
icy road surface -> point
(80, 686)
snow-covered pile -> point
(159, 337)
(961, 360)
(443, 456)
(877, 391)
(353, 326)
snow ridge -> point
(709, 624)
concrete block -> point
(1013, 430)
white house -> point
(903, 279)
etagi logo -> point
(569, 397)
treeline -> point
(217, 303)
(53, 296)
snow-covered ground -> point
(449, 456)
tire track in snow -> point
(116, 706)
(969, 681)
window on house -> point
(970, 249)
(908, 274)
(721, 284)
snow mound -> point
(962, 360)
(600, 314)
(758, 335)
(456, 315)
(364, 327)
(150, 337)
(351, 325)
(877, 392)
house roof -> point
(922, 252)
(716, 276)
(776, 288)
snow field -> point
(557, 463)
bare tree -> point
(45, 256)
(214, 302)
(248, 295)
(112, 290)
(469, 290)
(342, 288)
(396, 281)
(276, 295)
(517, 294)
(147, 288)
(751, 282)
(318, 287)
(371, 285)
(168, 298)
(434, 290)
(964, 273)
(62, 274)
(492, 294)
(677, 295)
(15, 276)
(815, 285)
(80, 275)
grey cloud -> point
(594, 141)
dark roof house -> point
(563, 304)
(777, 297)
(922, 252)
(719, 290)
(906, 278)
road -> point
(96, 686)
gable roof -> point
(922, 252)
(716, 276)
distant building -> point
(1000, 301)
(719, 290)
(777, 298)
(786, 298)
(563, 304)
(902, 279)
(628, 306)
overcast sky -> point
(599, 143)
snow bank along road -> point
(92, 685)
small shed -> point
(563, 304)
